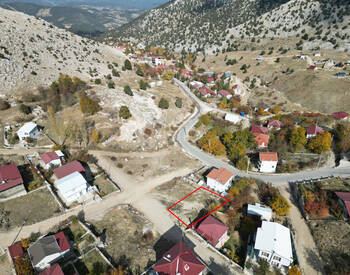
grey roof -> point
(43, 247)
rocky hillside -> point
(33, 52)
(206, 24)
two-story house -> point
(268, 162)
(219, 179)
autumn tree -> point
(297, 138)
(280, 205)
(294, 270)
(168, 75)
(88, 105)
(211, 143)
(23, 265)
(117, 271)
(96, 136)
(4, 105)
(321, 143)
(342, 136)
(276, 109)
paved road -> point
(210, 160)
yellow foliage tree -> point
(211, 143)
(294, 270)
(321, 143)
(96, 136)
(276, 109)
(168, 75)
(25, 243)
(280, 205)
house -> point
(340, 115)
(268, 162)
(52, 270)
(344, 199)
(313, 130)
(47, 250)
(206, 92)
(52, 159)
(28, 130)
(274, 124)
(273, 244)
(262, 140)
(236, 89)
(11, 182)
(234, 118)
(16, 250)
(179, 260)
(219, 179)
(69, 168)
(265, 213)
(72, 187)
(213, 230)
(224, 93)
(256, 130)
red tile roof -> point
(11, 177)
(49, 156)
(62, 241)
(205, 90)
(262, 140)
(314, 130)
(179, 260)
(224, 93)
(221, 175)
(52, 270)
(345, 197)
(275, 123)
(268, 156)
(340, 115)
(258, 129)
(69, 168)
(212, 229)
(16, 250)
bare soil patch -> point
(5, 265)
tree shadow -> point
(313, 260)
(218, 269)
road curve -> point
(210, 160)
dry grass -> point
(5, 265)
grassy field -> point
(124, 227)
(32, 208)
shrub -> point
(124, 112)
(115, 73)
(163, 103)
(127, 65)
(97, 81)
(139, 72)
(88, 105)
(143, 85)
(128, 90)
(280, 205)
(178, 102)
(111, 85)
(25, 109)
(4, 105)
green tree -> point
(178, 102)
(4, 105)
(163, 103)
(124, 112)
(127, 65)
(139, 72)
(143, 85)
(115, 73)
(128, 90)
(25, 109)
(111, 85)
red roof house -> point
(313, 130)
(213, 230)
(16, 250)
(312, 67)
(62, 241)
(219, 179)
(268, 162)
(52, 270)
(9, 177)
(49, 156)
(274, 124)
(69, 168)
(345, 197)
(262, 140)
(179, 260)
(340, 115)
(255, 130)
(205, 91)
(268, 156)
(224, 93)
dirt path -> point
(309, 258)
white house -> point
(72, 187)
(268, 162)
(50, 159)
(28, 130)
(273, 244)
(47, 250)
(219, 179)
(234, 118)
(265, 213)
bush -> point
(280, 205)
(88, 105)
(4, 105)
(178, 102)
(111, 85)
(97, 81)
(124, 112)
(139, 72)
(128, 90)
(127, 65)
(25, 109)
(163, 103)
(143, 85)
(115, 73)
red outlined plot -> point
(190, 225)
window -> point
(278, 259)
(275, 264)
(265, 254)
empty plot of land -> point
(32, 208)
(5, 266)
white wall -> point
(217, 185)
(268, 166)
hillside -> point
(33, 52)
(202, 24)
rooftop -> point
(268, 156)
(9, 177)
(69, 168)
(211, 229)
(221, 175)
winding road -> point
(210, 160)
